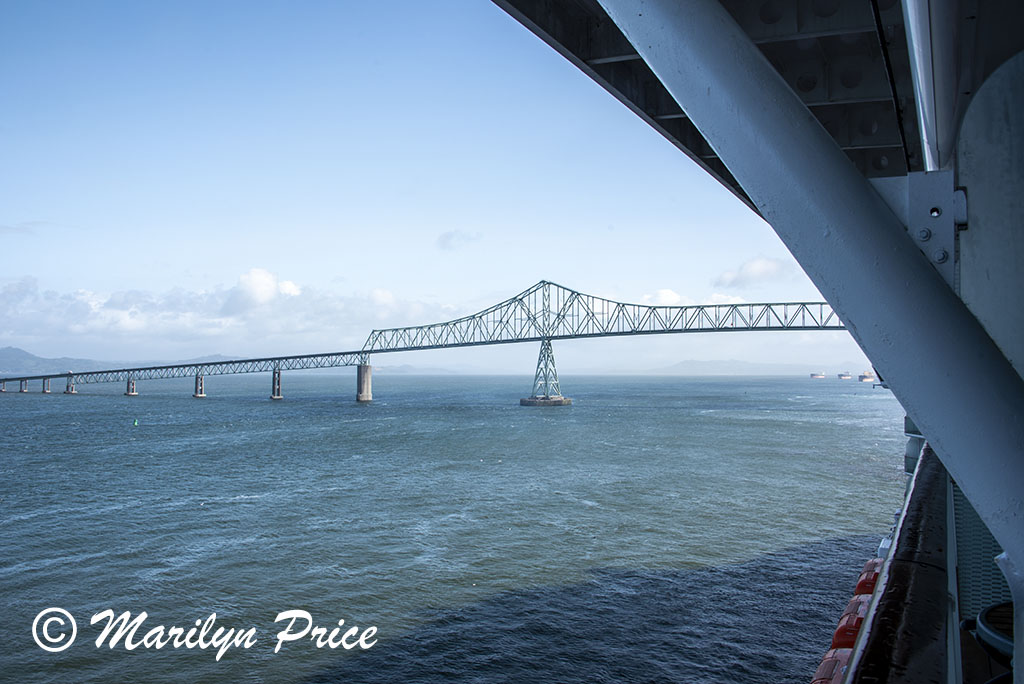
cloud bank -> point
(755, 272)
(261, 314)
(672, 298)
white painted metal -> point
(930, 207)
(935, 356)
(937, 42)
(930, 202)
(919, 41)
(1014, 573)
(990, 163)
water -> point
(658, 530)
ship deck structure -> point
(883, 141)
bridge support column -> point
(46, 385)
(275, 385)
(200, 392)
(364, 382)
(23, 386)
(129, 390)
(546, 391)
(70, 388)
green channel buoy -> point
(136, 422)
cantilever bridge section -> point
(550, 311)
(545, 312)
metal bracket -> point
(931, 219)
(933, 212)
(960, 208)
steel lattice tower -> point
(545, 382)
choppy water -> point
(658, 530)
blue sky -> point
(253, 178)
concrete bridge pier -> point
(23, 386)
(200, 391)
(46, 385)
(364, 382)
(70, 388)
(275, 385)
(129, 390)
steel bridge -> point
(545, 312)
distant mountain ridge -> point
(407, 369)
(15, 361)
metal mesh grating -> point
(980, 583)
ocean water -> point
(658, 530)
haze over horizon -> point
(19, 362)
(187, 180)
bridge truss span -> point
(548, 311)
(129, 376)
(545, 312)
(264, 365)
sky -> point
(264, 178)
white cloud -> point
(719, 298)
(454, 239)
(666, 297)
(382, 297)
(289, 289)
(14, 230)
(756, 271)
(23, 228)
(258, 285)
(257, 288)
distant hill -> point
(406, 369)
(14, 361)
(735, 367)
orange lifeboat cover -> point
(869, 576)
(832, 667)
(849, 623)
